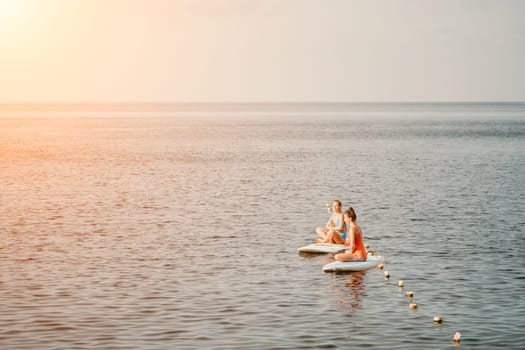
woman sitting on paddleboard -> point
(335, 229)
(356, 249)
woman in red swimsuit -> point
(354, 240)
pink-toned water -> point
(169, 232)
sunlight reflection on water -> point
(170, 233)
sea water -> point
(180, 230)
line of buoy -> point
(410, 294)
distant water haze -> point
(286, 110)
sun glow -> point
(11, 21)
(8, 8)
(10, 11)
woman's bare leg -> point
(337, 239)
(348, 257)
(322, 233)
(329, 237)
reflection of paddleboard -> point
(322, 248)
(371, 261)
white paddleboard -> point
(322, 248)
(371, 261)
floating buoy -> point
(380, 266)
(409, 294)
(413, 306)
(438, 319)
(457, 337)
(372, 253)
(387, 274)
(400, 284)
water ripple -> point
(155, 234)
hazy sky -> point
(261, 50)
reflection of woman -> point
(357, 288)
(334, 230)
(356, 248)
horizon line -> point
(241, 106)
(260, 102)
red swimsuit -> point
(359, 247)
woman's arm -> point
(330, 223)
(347, 255)
(350, 240)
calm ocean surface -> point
(159, 231)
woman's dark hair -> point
(351, 213)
